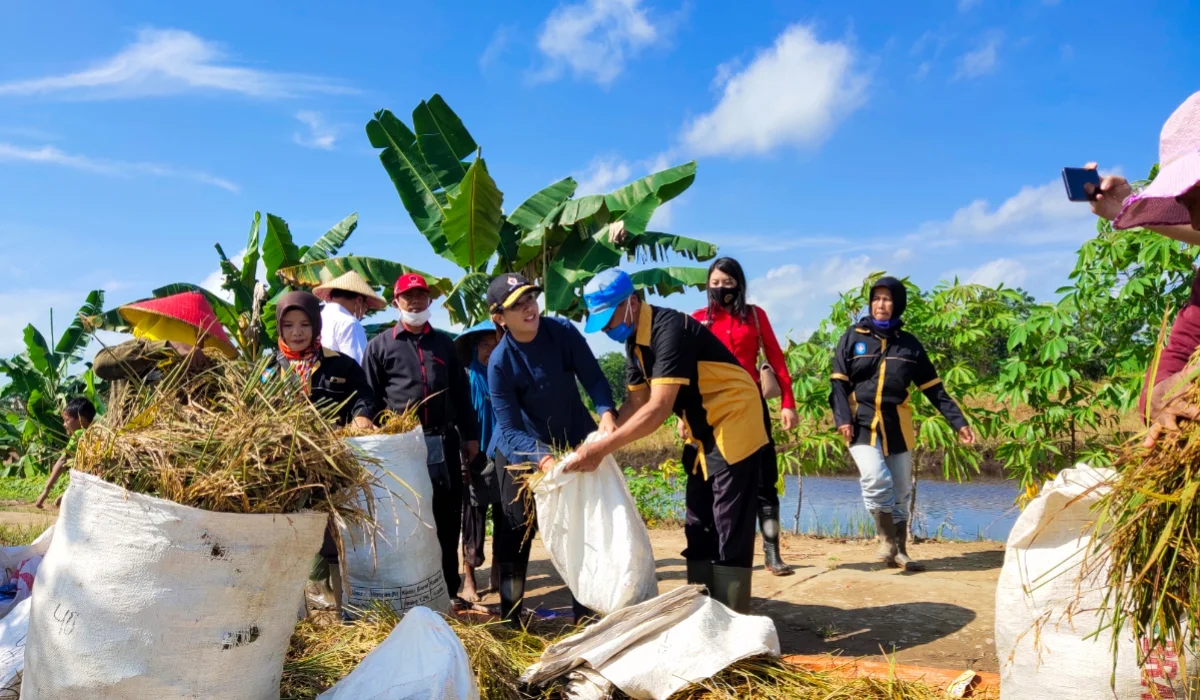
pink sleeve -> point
(775, 358)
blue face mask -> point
(622, 332)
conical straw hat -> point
(179, 317)
(354, 283)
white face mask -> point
(416, 319)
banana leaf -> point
(75, 339)
(250, 259)
(472, 225)
(278, 250)
(328, 245)
(377, 272)
(412, 176)
(442, 139)
(535, 209)
(654, 246)
(665, 281)
(665, 184)
(39, 353)
(467, 301)
(243, 296)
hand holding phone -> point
(1083, 184)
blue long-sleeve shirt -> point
(534, 396)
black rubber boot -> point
(902, 557)
(583, 614)
(886, 533)
(731, 586)
(768, 519)
(700, 572)
(512, 595)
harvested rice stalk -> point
(389, 423)
(1147, 542)
(225, 440)
(321, 655)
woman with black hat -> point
(873, 365)
(328, 378)
(532, 378)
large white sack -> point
(652, 650)
(139, 598)
(399, 562)
(1044, 653)
(422, 659)
(20, 566)
(597, 542)
(13, 630)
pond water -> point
(972, 510)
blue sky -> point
(833, 138)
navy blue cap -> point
(603, 294)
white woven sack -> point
(139, 598)
(422, 659)
(20, 566)
(400, 561)
(590, 526)
(1044, 653)
(13, 631)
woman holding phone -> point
(746, 331)
(873, 365)
(532, 377)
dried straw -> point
(1147, 542)
(227, 439)
(389, 423)
(322, 654)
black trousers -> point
(447, 514)
(721, 512)
(474, 532)
(517, 518)
(768, 496)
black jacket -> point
(421, 369)
(871, 375)
(337, 380)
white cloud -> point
(1012, 273)
(903, 255)
(499, 43)
(981, 61)
(1033, 214)
(797, 296)
(320, 134)
(967, 5)
(777, 243)
(594, 39)
(791, 94)
(51, 155)
(602, 175)
(170, 61)
(922, 70)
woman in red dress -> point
(746, 331)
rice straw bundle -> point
(389, 423)
(225, 440)
(322, 654)
(1147, 534)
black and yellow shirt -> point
(718, 400)
(871, 376)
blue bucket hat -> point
(465, 342)
(603, 294)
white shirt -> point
(342, 332)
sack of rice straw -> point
(139, 597)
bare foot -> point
(469, 593)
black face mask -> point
(723, 296)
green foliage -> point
(657, 492)
(41, 380)
(27, 489)
(556, 241)
(613, 366)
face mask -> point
(622, 332)
(416, 319)
(722, 296)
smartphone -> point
(1083, 184)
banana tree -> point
(249, 315)
(559, 241)
(40, 382)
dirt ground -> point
(840, 601)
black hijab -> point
(899, 302)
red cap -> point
(409, 281)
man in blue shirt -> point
(532, 377)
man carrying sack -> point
(348, 299)
(674, 364)
(416, 367)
